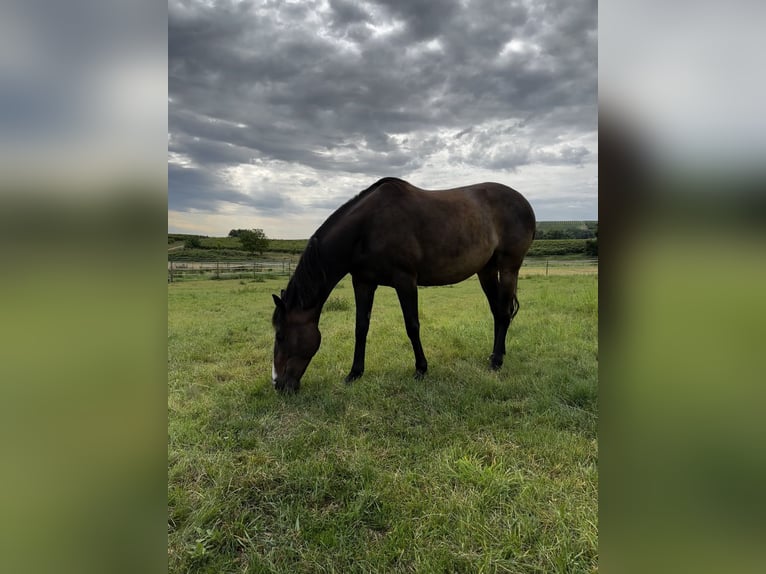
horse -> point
(397, 235)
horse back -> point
(442, 236)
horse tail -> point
(514, 306)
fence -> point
(542, 266)
(184, 270)
(190, 270)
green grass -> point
(295, 246)
(465, 471)
(221, 243)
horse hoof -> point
(495, 363)
(419, 375)
(352, 376)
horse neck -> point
(334, 273)
(336, 258)
(322, 273)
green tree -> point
(253, 240)
(556, 234)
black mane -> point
(307, 281)
(306, 284)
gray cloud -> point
(387, 87)
(198, 190)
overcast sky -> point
(280, 111)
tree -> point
(237, 232)
(253, 240)
(556, 234)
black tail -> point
(514, 306)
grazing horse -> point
(400, 236)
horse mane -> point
(310, 274)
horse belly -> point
(449, 268)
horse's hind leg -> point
(499, 283)
(508, 305)
(490, 284)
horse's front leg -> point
(407, 291)
(364, 294)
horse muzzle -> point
(284, 384)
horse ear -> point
(278, 302)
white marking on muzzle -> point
(273, 375)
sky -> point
(280, 111)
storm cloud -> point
(282, 107)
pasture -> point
(468, 470)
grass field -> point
(464, 471)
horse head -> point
(296, 341)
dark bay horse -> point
(397, 235)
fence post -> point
(171, 270)
(546, 267)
